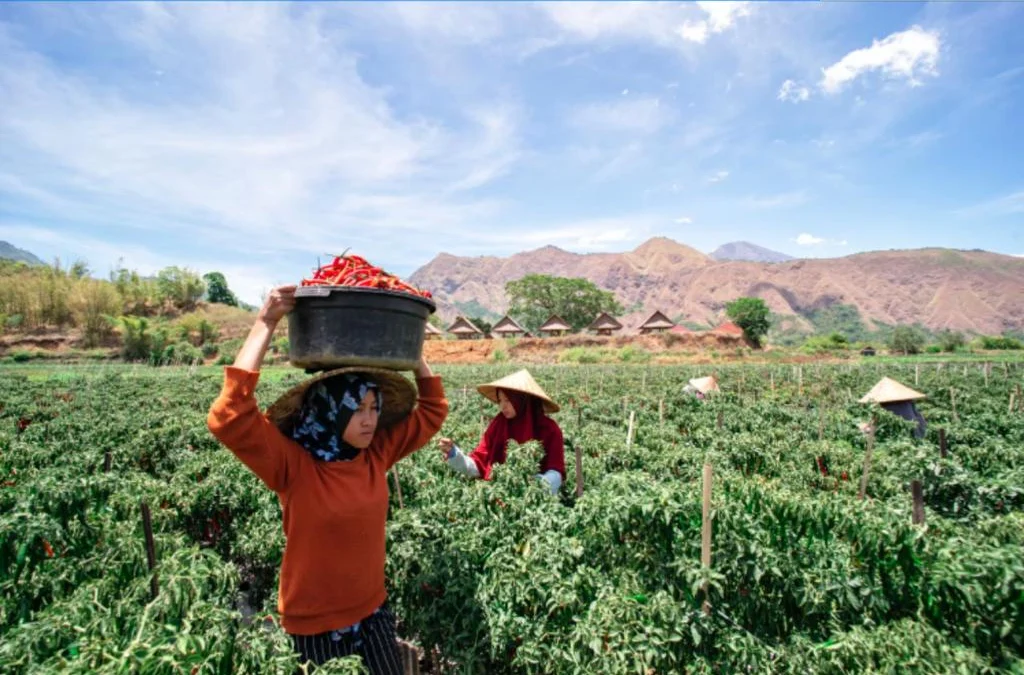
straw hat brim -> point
(522, 382)
(704, 385)
(890, 391)
(399, 396)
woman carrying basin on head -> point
(325, 448)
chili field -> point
(805, 575)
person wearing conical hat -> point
(898, 399)
(325, 448)
(701, 387)
(523, 406)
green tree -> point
(750, 314)
(180, 286)
(92, 304)
(217, 289)
(951, 340)
(483, 324)
(907, 340)
(535, 297)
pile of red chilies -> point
(352, 270)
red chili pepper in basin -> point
(357, 272)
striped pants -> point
(373, 639)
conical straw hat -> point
(399, 396)
(520, 381)
(889, 391)
(705, 385)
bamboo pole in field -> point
(1012, 401)
(943, 449)
(821, 423)
(867, 462)
(800, 380)
(985, 370)
(917, 374)
(106, 462)
(629, 433)
(705, 534)
(918, 497)
(147, 528)
(952, 403)
(721, 419)
(579, 471)
(661, 411)
(398, 486)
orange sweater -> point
(334, 513)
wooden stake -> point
(867, 462)
(661, 411)
(985, 369)
(821, 423)
(147, 528)
(918, 496)
(917, 374)
(1013, 396)
(629, 434)
(800, 380)
(106, 462)
(943, 450)
(721, 419)
(952, 402)
(579, 471)
(398, 486)
(705, 534)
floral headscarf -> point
(327, 409)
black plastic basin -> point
(337, 326)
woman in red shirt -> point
(523, 408)
(325, 448)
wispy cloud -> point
(908, 55)
(718, 176)
(793, 92)
(1006, 205)
(664, 24)
(637, 115)
(721, 15)
(805, 239)
(685, 220)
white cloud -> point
(805, 239)
(719, 176)
(640, 115)
(791, 91)
(665, 24)
(685, 220)
(907, 55)
(584, 236)
(273, 135)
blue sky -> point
(252, 138)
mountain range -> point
(11, 252)
(974, 291)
